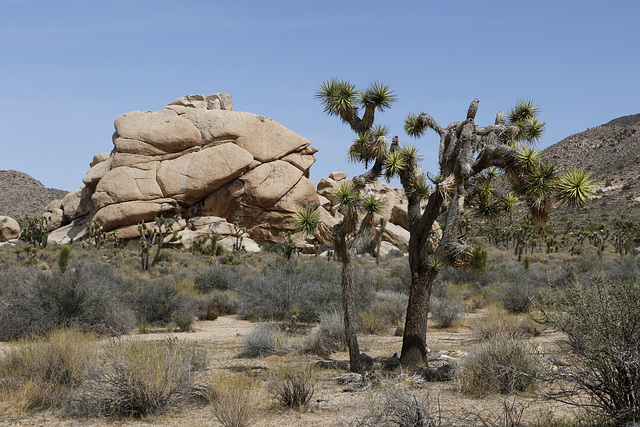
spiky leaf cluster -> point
(575, 187)
(378, 95)
(525, 116)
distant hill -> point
(612, 153)
(22, 195)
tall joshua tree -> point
(354, 232)
(468, 157)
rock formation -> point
(9, 228)
(196, 157)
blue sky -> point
(69, 68)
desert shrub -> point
(221, 277)
(517, 297)
(236, 400)
(397, 406)
(502, 365)
(139, 378)
(283, 287)
(496, 322)
(293, 385)
(602, 322)
(446, 311)
(184, 320)
(157, 301)
(386, 311)
(88, 297)
(262, 340)
(41, 372)
(329, 336)
(396, 277)
(218, 303)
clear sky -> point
(69, 68)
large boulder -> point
(196, 157)
(9, 228)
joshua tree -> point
(347, 238)
(468, 155)
(160, 233)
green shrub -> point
(157, 301)
(221, 277)
(517, 297)
(397, 406)
(502, 365)
(184, 320)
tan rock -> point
(338, 176)
(386, 247)
(55, 217)
(76, 204)
(125, 184)
(301, 161)
(269, 182)
(324, 202)
(264, 138)
(302, 194)
(191, 177)
(225, 201)
(219, 101)
(326, 187)
(163, 129)
(96, 173)
(98, 158)
(397, 236)
(76, 230)
(54, 204)
(191, 101)
(248, 244)
(399, 216)
(326, 217)
(133, 212)
(9, 228)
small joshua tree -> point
(347, 238)
(96, 233)
(35, 230)
(238, 233)
(156, 235)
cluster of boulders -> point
(394, 209)
(196, 157)
(214, 170)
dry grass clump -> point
(497, 322)
(139, 378)
(41, 372)
(329, 336)
(264, 339)
(502, 365)
(293, 385)
(236, 400)
(397, 406)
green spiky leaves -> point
(394, 163)
(369, 145)
(346, 194)
(378, 95)
(575, 187)
(307, 219)
(525, 116)
(338, 97)
(371, 204)
(413, 126)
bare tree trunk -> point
(349, 307)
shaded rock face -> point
(197, 157)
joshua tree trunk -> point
(349, 307)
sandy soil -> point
(332, 405)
